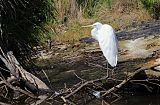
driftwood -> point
(113, 89)
(18, 89)
(2, 103)
(17, 73)
(106, 92)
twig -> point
(4, 69)
(105, 103)
(67, 96)
(70, 102)
(12, 78)
(2, 103)
(63, 98)
(116, 100)
(148, 88)
(6, 92)
(46, 76)
(4, 55)
(97, 65)
(84, 84)
(18, 89)
(79, 77)
(153, 83)
(116, 95)
(113, 89)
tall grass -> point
(77, 8)
(23, 24)
(118, 13)
(153, 6)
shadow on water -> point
(133, 100)
(139, 100)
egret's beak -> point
(88, 26)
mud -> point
(139, 46)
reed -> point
(153, 7)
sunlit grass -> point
(118, 21)
(73, 34)
(121, 14)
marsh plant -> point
(23, 23)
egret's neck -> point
(94, 33)
(98, 26)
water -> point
(132, 100)
(137, 50)
(132, 56)
(139, 100)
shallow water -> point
(61, 73)
(137, 50)
(133, 100)
(139, 100)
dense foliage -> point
(22, 23)
(90, 8)
(153, 6)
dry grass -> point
(72, 35)
(122, 15)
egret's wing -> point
(108, 44)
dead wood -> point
(18, 73)
(41, 98)
(2, 103)
(7, 61)
(18, 89)
(84, 83)
(26, 75)
(11, 79)
(113, 89)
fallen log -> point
(18, 89)
(18, 73)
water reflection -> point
(139, 100)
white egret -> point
(105, 35)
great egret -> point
(108, 43)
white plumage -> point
(108, 43)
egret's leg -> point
(107, 70)
(112, 71)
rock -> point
(62, 47)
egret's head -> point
(97, 25)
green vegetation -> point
(153, 6)
(118, 13)
(23, 24)
(27, 23)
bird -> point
(106, 37)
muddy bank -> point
(87, 61)
(68, 64)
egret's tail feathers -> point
(112, 61)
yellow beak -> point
(88, 26)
